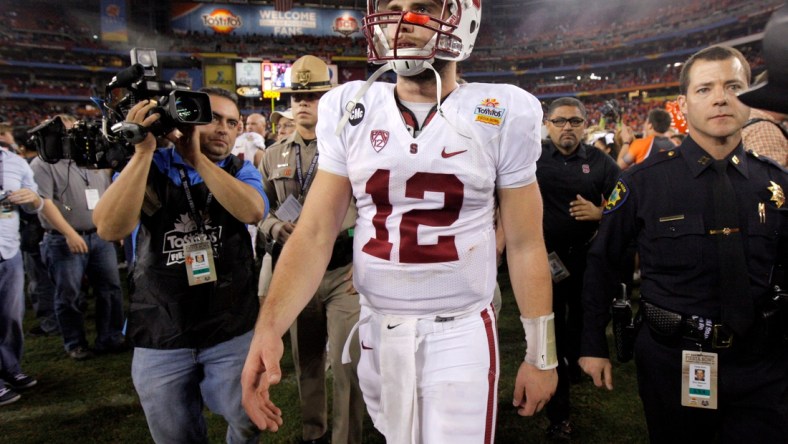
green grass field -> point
(94, 401)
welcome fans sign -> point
(264, 20)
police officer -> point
(288, 168)
(706, 219)
(573, 178)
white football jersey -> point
(247, 144)
(424, 238)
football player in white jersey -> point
(425, 159)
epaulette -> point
(655, 158)
(768, 160)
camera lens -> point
(187, 109)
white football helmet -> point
(455, 34)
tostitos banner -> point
(264, 20)
(113, 21)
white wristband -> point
(540, 341)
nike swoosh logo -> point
(364, 347)
(393, 326)
(446, 155)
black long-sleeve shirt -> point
(666, 205)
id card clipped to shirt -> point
(699, 372)
(92, 197)
(198, 256)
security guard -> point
(707, 219)
(573, 178)
(288, 168)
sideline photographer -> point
(71, 249)
(193, 302)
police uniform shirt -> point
(280, 177)
(588, 172)
(666, 205)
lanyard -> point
(304, 181)
(192, 208)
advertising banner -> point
(113, 21)
(264, 20)
(222, 76)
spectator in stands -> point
(71, 248)
(7, 137)
(248, 144)
(288, 168)
(655, 138)
(193, 305)
(765, 132)
(574, 179)
(18, 191)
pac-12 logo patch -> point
(357, 115)
(379, 139)
(490, 112)
(617, 197)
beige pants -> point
(329, 317)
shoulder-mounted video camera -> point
(610, 109)
(109, 144)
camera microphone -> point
(127, 77)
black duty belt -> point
(80, 232)
(673, 326)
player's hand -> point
(24, 196)
(582, 209)
(76, 244)
(138, 114)
(260, 372)
(533, 388)
(281, 231)
(599, 369)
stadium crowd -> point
(612, 70)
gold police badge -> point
(778, 196)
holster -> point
(625, 328)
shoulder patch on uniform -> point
(489, 111)
(617, 197)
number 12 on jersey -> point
(410, 251)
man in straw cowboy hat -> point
(289, 168)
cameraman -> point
(191, 334)
(71, 249)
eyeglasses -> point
(560, 122)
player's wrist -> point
(540, 341)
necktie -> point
(737, 306)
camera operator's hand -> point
(76, 244)
(188, 145)
(137, 114)
(24, 196)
